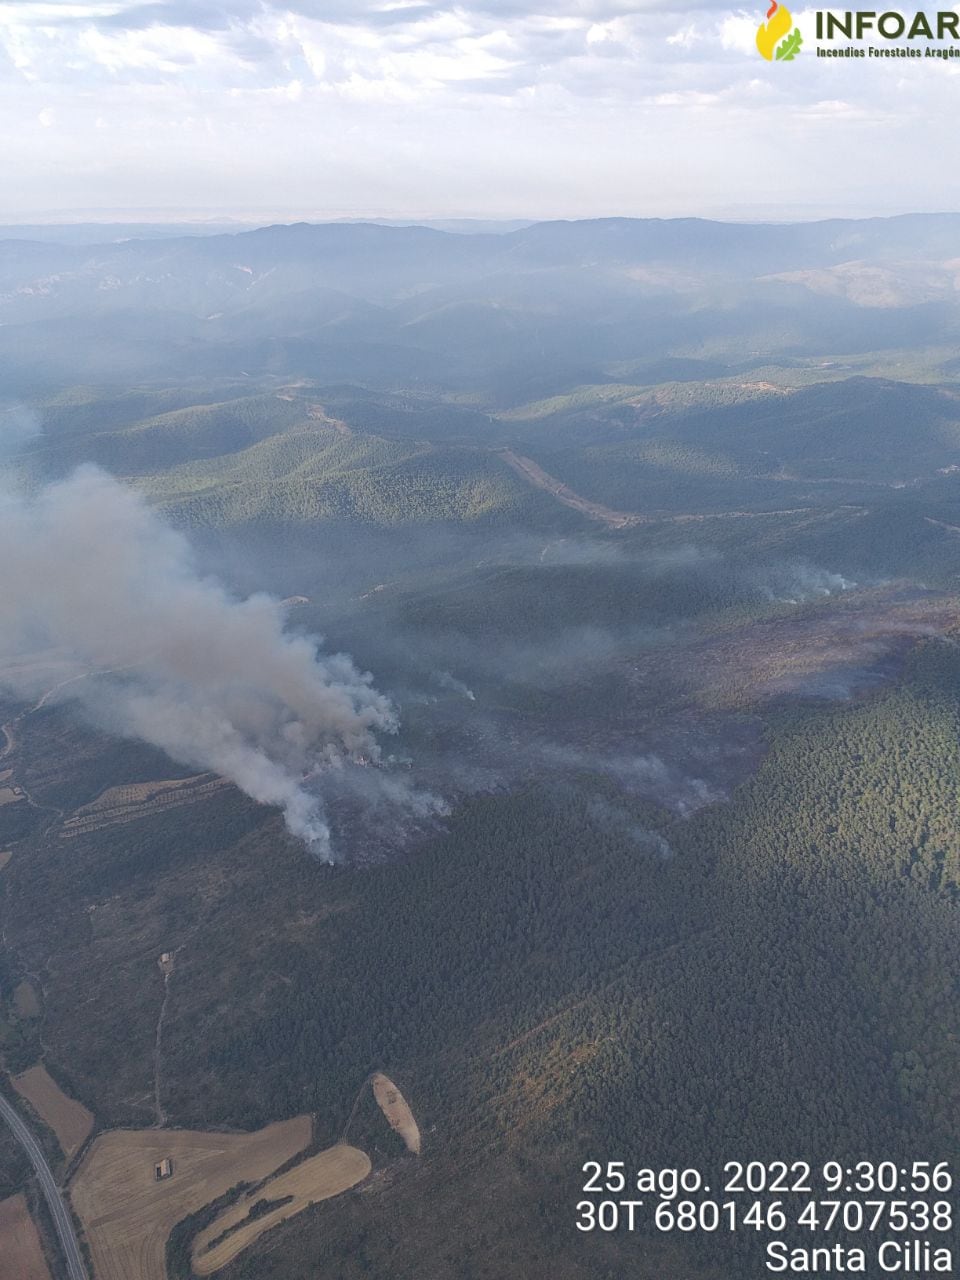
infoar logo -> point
(775, 40)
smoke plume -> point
(446, 681)
(213, 680)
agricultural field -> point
(128, 1215)
(139, 800)
(394, 1106)
(21, 1255)
(70, 1120)
(321, 1177)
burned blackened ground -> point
(677, 724)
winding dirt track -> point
(535, 475)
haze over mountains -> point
(564, 301)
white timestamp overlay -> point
(869, 1217)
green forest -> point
(546, 986)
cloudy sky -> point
(492, 108)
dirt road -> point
(535, 475)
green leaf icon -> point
(790, 47)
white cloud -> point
(687, 35)
(738, 31)
(487, 106)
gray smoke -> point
(213, 680)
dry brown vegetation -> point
(127, 1215)
(320, 1178)
(319, 414)
(70, 1120)
(9, 796)
(138, 800)
(394, 1106)
(5, 858)
(21, 1254)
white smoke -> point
(215, 681)
(612, 815)
(640, 774)
(18, 425)
(798, 583)
(446, 681)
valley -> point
(638, 611)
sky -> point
(273, 109)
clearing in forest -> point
(128, 1215)
(70, 1120)
(25, 1000)
(320, 1178)
(394, 1106)
(21, 1254)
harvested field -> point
(320, 1178)
(21, 1255)
(70, 1120)
(127, 1215)
(394, 1106)
(138, 800)
(25, 1000)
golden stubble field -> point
(320, 1178)
(127, 1215)
(21, 1255)
(70, 1120)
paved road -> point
(51, 1192)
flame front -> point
(778, 24)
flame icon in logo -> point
(775, 40)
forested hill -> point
(552, 304)
(549, 984)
